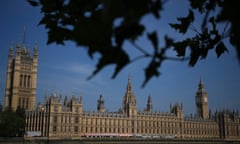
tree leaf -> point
(128, 31)
(184, 23)
(154, 39)
(180, 48)
(33, 3)
(114, 55)
(197, 4)
(220, 49)
(155, 7)
(193, 58)
(150, 71)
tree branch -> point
(141, 49)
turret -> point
(66, 102)
(149, 104)
(177, 109)
(76, 104)
(100, 106)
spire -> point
(18, 45)
(201, 85)
(60, 97)
(11, 50)
(80, 99)
(100, 106)
(149, 99)
(129, 93)
(66, 102)
(129, 85)
(35, 49)
(149, 104)
(24, 34)
(129, 98)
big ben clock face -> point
(205, 99)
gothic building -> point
(57, 119)
(21, 82)
(60, 118)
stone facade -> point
(21, 82)
(57, 119)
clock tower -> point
(202, 101)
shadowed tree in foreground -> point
(12, 123)
(92, 24)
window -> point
(54, 128)
(25, 81)
(75, 129)
(19, 101)
(29, 82)
(76, 120)
(21, 81)
(23, 102)
(55, 109)
(55, 119)
(27, 103)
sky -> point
(64, 69)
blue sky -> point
(65, 68)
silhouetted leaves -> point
(128, 31)
(112, 56)
(154, 39)
(103, 26)
(150, 71)
(184, 23)
(220, 49)
(180, 47)
(197, 4)
(33, 2)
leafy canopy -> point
(92, 24)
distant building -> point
(21, 82)
(58, 119)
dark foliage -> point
(91, 23)
(12, 123)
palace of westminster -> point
(63, 117)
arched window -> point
(29, 81)
(19, 101)
(25, 81)
(21, 81)
(23, 102)
(27, 103)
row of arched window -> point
(25, 81)
(23, 102)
